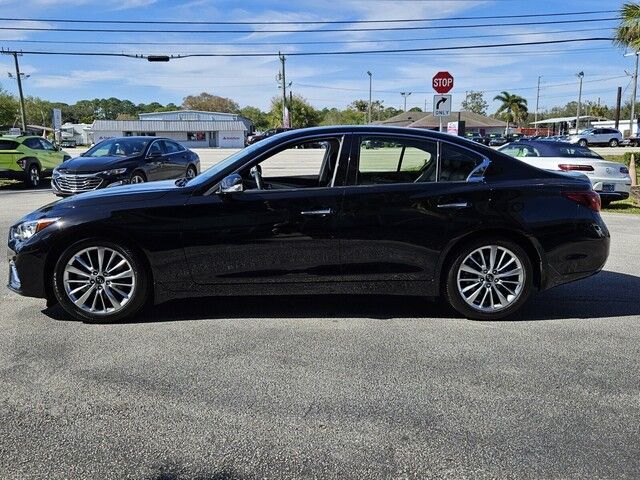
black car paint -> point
(388, 239)
(166, 166)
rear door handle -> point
(317, 213)
(454, 205)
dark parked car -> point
(251, 139)
(119, 161)
(426, 214)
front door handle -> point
(317, 213)
(454, 205)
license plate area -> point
(608, 187)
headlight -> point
(115, 171)
(27, 230)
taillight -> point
(576, 168)
(589, 199)
(624, 170)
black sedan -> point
(425, 214)
(119, 161)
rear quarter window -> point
(8, 145)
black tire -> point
(138, 177)
(454, 297)
(191, 172)
(583, 143)
(133, 305)
(32, 175)
(605, 203)
(614, 142)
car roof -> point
(378, 129)
(548, 148)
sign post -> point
(442, 83)
(56, 123)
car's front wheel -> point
(100, 281)
(614, 142)
(191, 172)
(138, 177)
(583, 143)
(489, 279)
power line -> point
(304, 54)
(314, 30)
(318, 42)
(292, 22)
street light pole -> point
(405, 95)
(370, 83)
(633, 96)
(535, 121)
(285, 117)
(580, 76)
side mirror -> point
(231, 183)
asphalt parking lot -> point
(326, 387)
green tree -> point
(8, 108)
(259, 118)
(627, 33)
(475, 102)
(350, 116)
(210, 103)
(513, 108)
(301, 112)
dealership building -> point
(190, 127)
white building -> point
(77, 132)
(189, 127)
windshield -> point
(211, 172)
(119, 147)
(577, 152)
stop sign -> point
(442, 82)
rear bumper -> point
(581, 258)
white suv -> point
(596, 136)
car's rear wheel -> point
(33, 175)
(191, 172)
(100, 281)
(614, 142)
(583, 143)
(138, 177)
(489, 279)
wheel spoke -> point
(80, 301)
(77, 271)
(125, 274)
(466, 268)
(114, 302)
(493, 252)
(83, 263)
(100, 258)
(116, 266)
(501, 297)
(510, 273)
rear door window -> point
(8, 145)
(33, 143)
(457, 163)
(385, 160)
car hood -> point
(94, 164)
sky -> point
(326, 81)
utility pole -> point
(285, 117)
(425, 105)
(633, 96)
(618, 101)
(405, 95)
(535, 121)
(580, 76)
(370, 83)
(23, 115)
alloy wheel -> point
(137, 178)
(490, 278)
(191, 173)
(34, 175)
(99, 280)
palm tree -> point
(513, 108)
(628, 31)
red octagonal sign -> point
(442, 82)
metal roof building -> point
(227, 131)
(474, 122)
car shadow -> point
(607, 294)
(18, 186)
